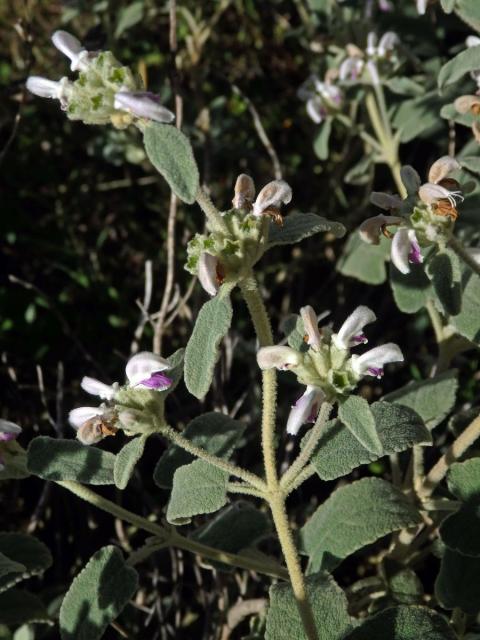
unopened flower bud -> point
(244, 192)
(71, 47)
(441, 168)
(468, 104)
(207, 272)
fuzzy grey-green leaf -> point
(56, 459)
(354, 516)
(215, 432)
(464, 480)
(339, 452)
(467, 322)
(461, 64)
(329, 606)
(445, 273)
(202, 350)
(18, 607)
(356, 414)
(170, 152)
(432, 399)
(365, 262)
(298, 226)
(97, 595)
(198, 488)
(458, 583)
(412, 290)
(126, 459)
(22, 551)
(404, 623)
(461, 531)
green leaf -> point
(404, 86)
(432, 399)
(198, 488)
(329, 606)
(411, 290)
(458, 582)
(469, 12)
(298, 226)
(471, 163)
(25, 551)
(215, 432)
(170, 152)
(202, 350)
(126, 460)
(175, 371)
(55, 459)
(354, 516)
(467, 322)
(21, 607)
(355, 413)
(237, 527)
(365, 262)
(405, 587)
(454, 69)
(9, 567)
(464, 480)
(97, 595)
(320, 144)
(445, 273)
(361, 172)
(461, 531)
(294, 330)
(15, 462)
(339, 452)
(418, 117)
(404, 623)
(128, 17)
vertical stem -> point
(277, 506)
(211, 211)
(275, 495)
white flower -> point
(372, 362)
(9, 430)
(351, 68)
(405, 250)
(77, 417)
(144, 369)
(422, 6)
(310, 322)
(143, 104)
(97, 388)
(44, 88)
(371, 228)
(434, 190)
(351, 331)
(316, 109)
(387, 44)
(207, 272)
(278, 357)
(272, 196)
(71, 47)
(305, 409)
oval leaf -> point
(170, 152)
(55, 459)
(355, 413)
(464, 62)
(202, 350)
(298, 226)
(27, 555)
(126, 460)
(458, 583)
(97, 595)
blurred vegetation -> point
(82, 212)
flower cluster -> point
(104, 92)
(424, 218)
(328, 369)
(144, 370)
(224, 256)
(9, 431)
(322, 97)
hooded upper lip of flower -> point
(208, 273)
(405, 250)
(305, 409)
(143, 104)
(372, 362)
(351, 331)
(9, 430)
(271, 197)
(71, 47)
(145, 369)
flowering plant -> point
(353, 415)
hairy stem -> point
(463, 254)
(307, 451)
(277, 506)
(453, 453)
(211, 211)
(171, 537)
(232, 469)
(275, 495)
